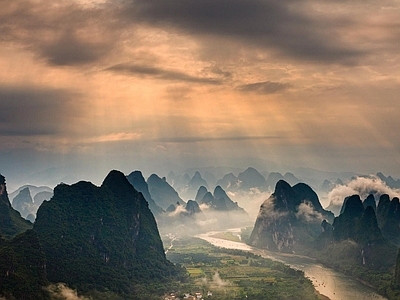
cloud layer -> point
(305, 83)
(282, 26)
(362, 186)
(29, 111)
(158, 73)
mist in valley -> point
(179, 222)
(362, 186)
(213, 211)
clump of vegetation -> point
(22, 268)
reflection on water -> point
(328, 282)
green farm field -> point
(219, 273)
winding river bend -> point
(334, 285)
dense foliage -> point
(100, 241)
(356, 246)
(101, 238)
(22, 268)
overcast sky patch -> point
(269, 24)
(28, 111)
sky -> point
(89, 86)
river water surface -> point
(334, 285)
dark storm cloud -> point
(278, 25)
(65, 33)
(265, 87)
(159, 73)
(60, 33)
(69, 49)
(28, 111)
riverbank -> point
(328, 282)
(228, 274)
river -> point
(330, 283)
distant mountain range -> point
(246, 181)
(28, 198)
(390, 181)
(218, 201)
(105, 241)
(161, 192)
(209, 211)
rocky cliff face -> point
(3, 192)
(290, 219)
(11, 222)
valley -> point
(326, 281)
(143, 240)
(221, 273)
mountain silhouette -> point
(23, 202)
(11, 222)
(289, 219)
(163, 194)
(102, 238)
(251, 178)
(137, 180)
(193, 185)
